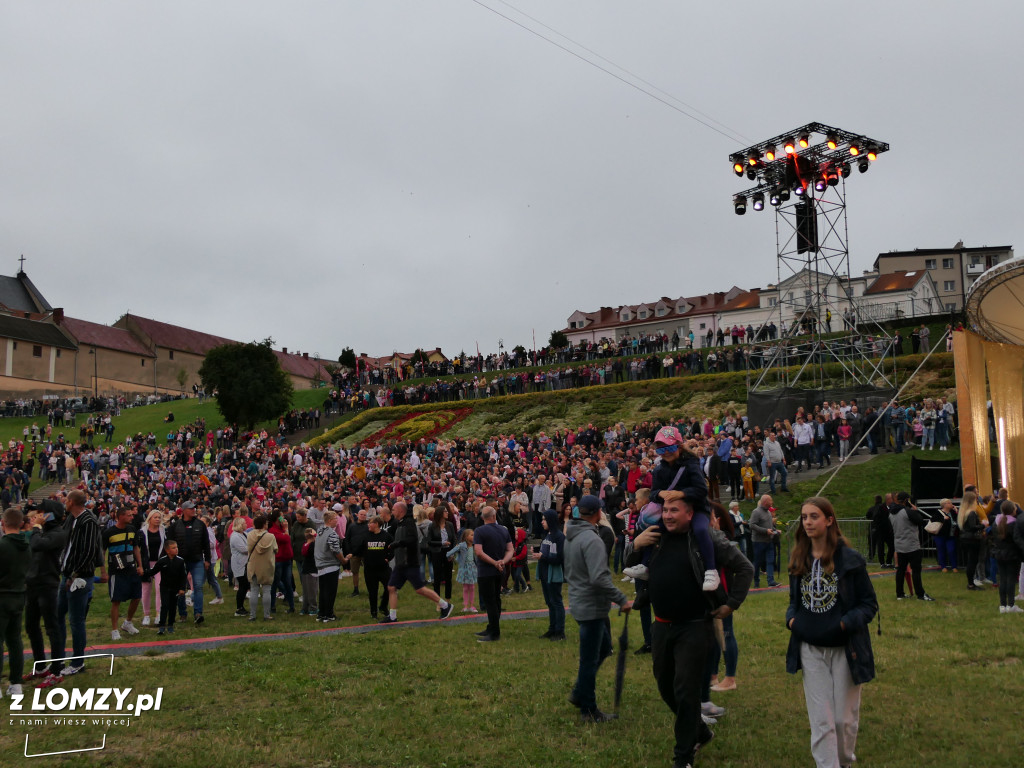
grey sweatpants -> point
(833, 705)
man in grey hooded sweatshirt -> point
(591, 594)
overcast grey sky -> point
(416, 173)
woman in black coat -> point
(441, 538)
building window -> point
(949, 286)
(643, 314)
(37, 350)
(58, 353)
(14, 346)
(661, 312)
(171, 353)
(947, 263)
(702, 326)
(929, 263)
(143, 362)
(975, 260)
(951, 307)
(772, 301)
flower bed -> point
(418, 426)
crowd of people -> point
(163, 524)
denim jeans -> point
(211, 578)
(197, 570)
(74, 607)
(778, 468)
(284, 580)
(556, 608)
(928, 438)
(595, 647)
(764, 554)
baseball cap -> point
(589, 505)
(668, 436)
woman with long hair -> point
(1008, 556)
(831, 602)
(156, 535)
(723, 521)
(972, 530)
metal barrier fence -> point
(857, 531)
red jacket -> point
(284, 543)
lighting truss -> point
(812, 254)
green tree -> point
(558, 340)
(419, 356)
(250, 384)
(182, 377)
(519, 349)
(347, 358)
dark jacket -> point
(175, 574)
(46, 545)
(552, 551)
(1006, 550)
(85, 546)
(729, 560)
(434, 538)
(973, 529)
(14, 561)
(193, 540)
(858, 605)
(691, 482)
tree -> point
(182, 377)
(519, 349)
(250, 384)
(419, 356)
(347, 358)
(558, 340)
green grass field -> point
(948, 688)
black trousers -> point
(41, 603)
(680, 653)
(911, 560)
(328, 593)
(490, 601)
(441, 569)
(243, 590)
(168, 606)
(972, 549)
(374, 579)
(885, 544)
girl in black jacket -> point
(831, 602)
(1008, 556)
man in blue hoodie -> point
(591, 594)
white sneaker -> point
(989, 582)
(979, 583)
(1014, 609)
(188, 598)
(145, 621)
(115, 635)
(128, 627)
(711, 580)
(14, 690)
(637, 572)
(1003, 609)
(217, 601)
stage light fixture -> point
(845, 170)
(832, 176)
(789, 146)
(872, 152)
(805, 139)
(798, 190)
(775, 199)
(752, 173)
(854, 148)
(833, 141)
(758, 201)
(740, 204)
(769, 152)
(820, 184)
(738, 168)
(863, 165)
(753, 157)
(784, 194)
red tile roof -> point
(178, 338)
(895, 281)
(104, 336)
(297, 365)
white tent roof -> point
(995, 303)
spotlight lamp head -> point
(769, 152)
(863, 164)
(754, 158)
(872, 152)
(758, 201)
(740, 204)
(798, 190)
(738, 168)
(752, 173)
(832, 140)
(820, 184)
(783, 194)
(854, 148)
(788, 145)
(832, 176)
(805, 139)
(775, 199)
(845, 170)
